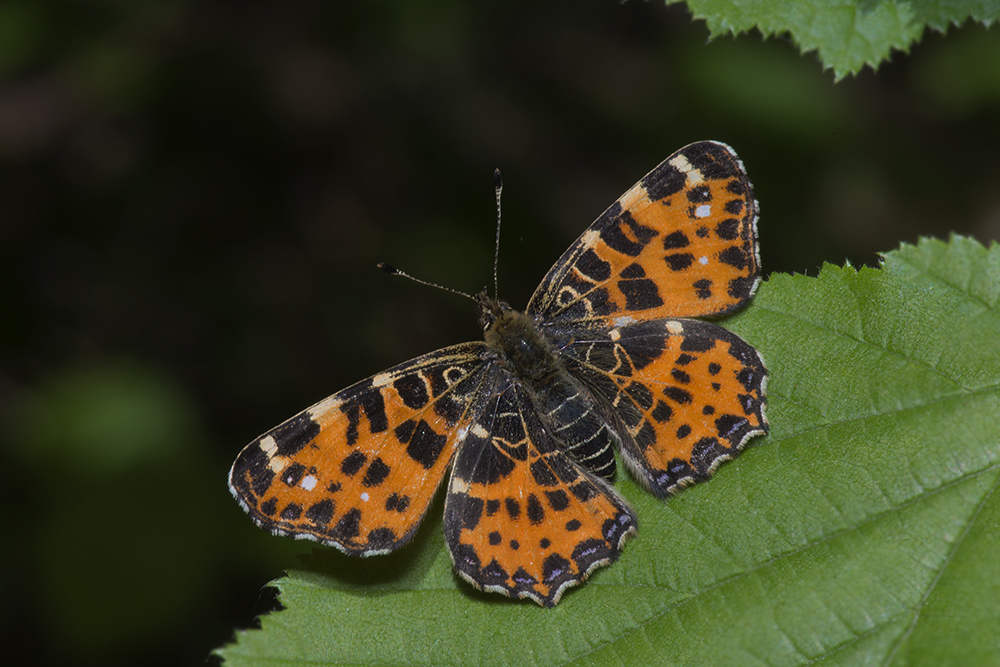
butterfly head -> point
(490, 309)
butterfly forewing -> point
(681, 243)
(521, 517)
(358, 470)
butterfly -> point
(603, 359)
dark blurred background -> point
(194, 195)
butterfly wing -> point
(682, 242)
(521, 518)
(358, 470)
(687, 394)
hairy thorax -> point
(525, 350)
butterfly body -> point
(528, 420)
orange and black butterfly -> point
(604, 358)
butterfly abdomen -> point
(568, 410)
(572, 416)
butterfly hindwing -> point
(682, 242)
(358, 470)
(687, 394)
(521, 518)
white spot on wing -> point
(703, 211)
(269, 446)
(479, 431)
(680, 162)
(694, 177)
(381, 380)
(308, 483)
(623, 320)
(328, 404)
(675, 327)
(703, 260)
(277, 464)
(364, 496)
(615, 335)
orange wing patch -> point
(523, 519)
(689, 394)
(680, 243)
(358, 470)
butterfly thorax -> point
(569, 410)
(523, 349)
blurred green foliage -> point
(193, 196)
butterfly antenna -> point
(498, 186)
(393, 271)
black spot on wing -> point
(381, 539)
(376, 473)
(712, 160)
(294, 434)
(252, 475)
(535, 513)
(675, 241)
(293, 474)
(731, 428)
(640, 294)
(662, 412)
(513, 508)
(632, 271)
(734, 256)
(556, 568)
(397, 503)
(348, 526)
(423, 444)
(558, 500)
(728, 229)
(696, 343)
(741, 287)
(677, 395)
(368, 400)
(621, 232)
(472, 509)
(664, 181)
(593, 267)
(679, 261)
(643, 344)
(352, 463)
(412, 390)
(320, 513)
(699, 194)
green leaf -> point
(864, 530)
(846, 34)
